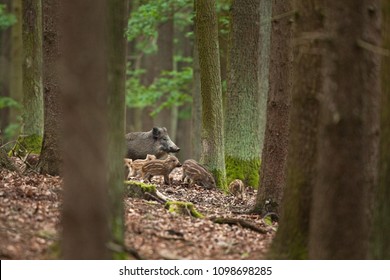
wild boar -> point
(136, 165)
(237, 188)
(160, 167)
(154, 142)
(197, 174)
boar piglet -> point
(237, 188)
(154, 142)
(136, 165)
(128, 168)
(197, 174)
(160, 167)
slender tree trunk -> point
(348, 132)
(242, 122)
(211, 91)
(32, 65)
(165, 63)
(196, 110)
(16, 73)
(84, 84)
(50, 160)
(265, 42)
(381, 227)
(291, 241)
(117, 21)
(5, 46)
(274, 156)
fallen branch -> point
(240, 222)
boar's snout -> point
(174, 149)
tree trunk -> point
(5, 46)
(291, 241)
(211, 91)
(348, 132)
(165, 63)
(196, 110)
(50, 160)
(274, 156)
(265, 42)
(32, 70)
(381, 227)
(117, 21)
(16, 73)
(242, 122)
(84, 85)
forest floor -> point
(30, 207)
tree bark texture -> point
(381, 228)
(32, 68)
(274, 155)
(50, 160)
(211, 91)
(116, 21)
(291, 241)
(242, 122)
(348, 132)
(84, 85)
(16, 72)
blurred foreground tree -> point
(85, 132)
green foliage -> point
(9, 102)
(169, 89)
(144, 20)
(6, 19)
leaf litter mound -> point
(30, 208)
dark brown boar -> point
(160, 167)
(197, 174)
(154, 142)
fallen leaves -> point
(30, 208)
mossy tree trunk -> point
(291, 241)
(348, 130)
(32, 71)
(116, 21)
(211, 90)
(85, 216)
(381, 227)
(274, 155)
(242, 122)
(50, 160)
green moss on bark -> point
(183, 208)
(30, 144)
(245, 170)
(137, 189)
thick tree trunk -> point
(274, 155)
(291, 241)
(84, 84)
(348, 132)
(50, 160)
(242, 122)
(116, 21)
(211, 91)
(381, 228)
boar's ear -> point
(156, 132)
(164, 129)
